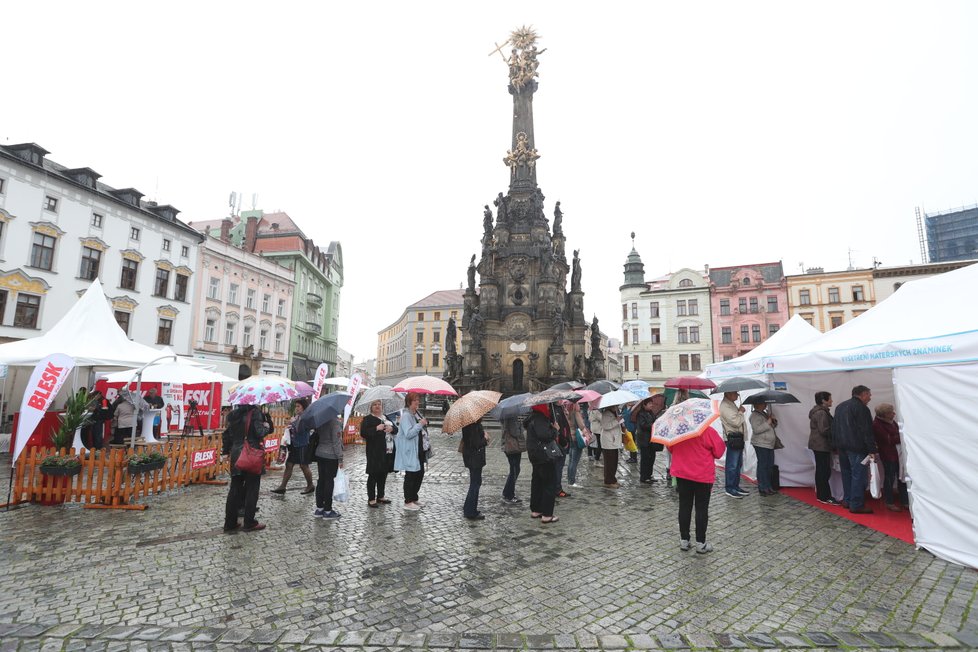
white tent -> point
(88, 333)
(796, 333)
(919, 347)
(170, 373)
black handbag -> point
(735, 441)
(553, 451)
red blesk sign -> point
(204, 458)
(271, 443)
(45, 383)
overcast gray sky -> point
(721, 133)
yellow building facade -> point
(826, 300)
(415, 343)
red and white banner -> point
(271, 443)
(352, 389)
(204, 458)
(45, 383)
(207, 396)
(322, 373)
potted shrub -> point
(146, 462)
(76, 415)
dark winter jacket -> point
(852, 427)
(538, 433)
(474, 446)
(887, 435)
(643, 428)
(820, 433)
(376, 445)
(234, 435)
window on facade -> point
(419, 337)
(266, 300)
(857, 293)
(133, 233)
(896, 286)
(624, 311)
(419, 360)
(129, 269)
(745, 333)
(742, 305)
(635, 363)
(434, 359)
(90, 260)
(3, 305)
(753, 304)
(836, 321)
(233, 293)
(656, 337)
(164, 333)
(634, 336)
(834, 295)
(437, 318)
(634, 311)
(804, 298)
(685, 283)
(229, 334)
(166, 244)
(51, 204)
(657, 363)
(246, 336)
(122, 318)
(654, 310)
(437, 336)
(772, 304)
(809, 318)
(184, 251)
(180, 286)
(624, 336)
(683, 335)
(214, 289)
(420, 318)
(724, 306)
(278, 342)
(42, 251)
(756, 332)
(772, 329)
(694, 334)
(281, 308)
(263, 339)
(694, 362)
(97, 220)
(683, 362)
(625, 360)
(694, 306)
(455, 314)
(746, 280)
(3, 185)
(250, 299)
(27, 311)
(726, 337)
(209, 330)
(681, 307)
(162, 282)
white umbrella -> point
(341, 381)
(617, 397)
(170, 373)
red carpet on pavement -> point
(895, 524)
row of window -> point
(214, 292)
(419, 361)
(687, 362)
(435, 337)
(747, 333)
(747, 305)
(436, 316)
(805, 296)
(247, 332)
(686, 307)
(684, 335)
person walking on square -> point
(411, 449)
(852, 432)
(644, 415)
(329, 459)
(764, 439)
(820, 443)
(607, 425)
(244, 423)
(540, 430)
(376, 431)
(576, 418)
(474, 440)
(693, 467)
(734, 431)
(299, 451)
(887, 435)
(513, 445)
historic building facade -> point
(61, 228)
(242, 309)
(522, 329)
(826, 300)
(749, 304)
(887, 280)
(415, 344)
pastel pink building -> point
(750, 303)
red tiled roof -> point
(440, 298)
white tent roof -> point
(170, 373)
(794, 334)
(926, 322)
(88, 332)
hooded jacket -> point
(820, 436)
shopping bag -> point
(629, 442)
(579, 439)
(875, 482)
(341, 488)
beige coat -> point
(764, 435)
(604, 423)
(732, 418)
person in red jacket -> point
(887, 435)
(694, 469)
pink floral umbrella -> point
(259, 390)
(303, 388)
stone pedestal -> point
(557, 363)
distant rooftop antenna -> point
(232, 200)
(850, 259)
(254, 200)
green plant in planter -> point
(77, 414)
(142, 459)
(60, 462)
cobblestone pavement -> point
(609, 575)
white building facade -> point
(60, 229)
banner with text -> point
(45, 383)
(322, 373)
(353, 389)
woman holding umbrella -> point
(474, 440)
(541, 431)
(299, 452)
(375, 430)
(644, 415)
(764, 439)
(607, 424)
(244, 423)
(411, 450)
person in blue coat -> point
(411, 449)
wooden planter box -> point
(145, 468)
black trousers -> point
(542, 494)
(324, 483)
(376, 485)
(243, 490)
(412, 485)
(646, 462)
(690, 492)
(823, 471)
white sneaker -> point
(413, 507)
(419, 503)
(684, 544)
(704, 548)
(576, 485)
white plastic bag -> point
(341, 488)
(875, 482)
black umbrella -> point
(510, 407)
(570, 384)
(603, 386)
(771, 396)
(739, 384)
(323, 409)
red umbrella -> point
(690, 382)
(425, 385)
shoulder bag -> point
(251, 459)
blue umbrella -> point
(323, 409)
(511, 407)
(632, 385)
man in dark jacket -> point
(852, 434)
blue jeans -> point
(765, 467)
(471, 506)
(509, 489)
(573, 457)
(846, 472)
(732, 467)
(857, 485)
(559, 472)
